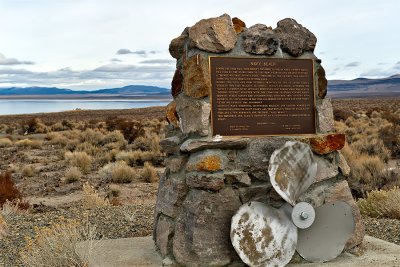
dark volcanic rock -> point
(260, 40)
(194, 145)
(176, 84)
(322, 82)
(164, 234)
(214, 34)
(206, 181)
(202, 229)
(294, 38)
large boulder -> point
(213, 35)
(197, 80)
(260, 40)
(202, 229)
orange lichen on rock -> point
(172, 115)
(208, 163)
(327, 143)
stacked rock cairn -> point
(206, 180)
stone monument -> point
(221, 134)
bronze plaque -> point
(260, 96)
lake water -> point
(26, 106)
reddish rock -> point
(327, 143)
(177, 45)
(238, 24)
(197, 80)
(164, 234)
(322, 82)
(176, 84)
(172, 115)
(213, 35)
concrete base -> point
(140, 251)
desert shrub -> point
(28, 171)
(91, 136)
(79, 159)
(72, 174)
(57, 245)
(57, 127)
(34, 125)
(91, 198)
(117, 172)
(390, 135)
(149, 173)
(342, 114)
(130, 129)
(114, 137)
(371, 146)
(381, 203)
(88, 148)
(5, 142)
(8, 190)
(29, 143)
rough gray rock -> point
(322, 82)
(254, 159)
(343, 166)
(207, 161)
(164, 234)
(176, 163)
(171, 193)
(326, 168)
(237, 177)
(202, 229)
(325, 116)
(193, 115)
(258, 193)
(170, 145)
(206, 181)
(214, 34)
(260, 40)
(294, 38)
(194, 145)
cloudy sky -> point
(89, 44)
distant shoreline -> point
(90, 97)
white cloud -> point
(13, 61)
(124, 51)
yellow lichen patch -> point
(209, 163)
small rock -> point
(238, 24)
(205, 181)
(294, 38)
(214, 34)
(177, 45)
(237, 177)
(322, 82)
(325, 116)
(176, 163)
(343, 166)
(172, 115)
(164, 234)
(197, 80)
(176, 84)
(170, 145)
(194, 145)
(258, 193)
(260, 40)
(325, 169)
(324, 144)
(194, 115)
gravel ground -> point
(128, 221)
(111, 222)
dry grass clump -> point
(57, 245)
(73, 174)
(5, 142)
(29, 143)
(381, 203)
(79, 159)
(118, 172)
(92, 199)
(149, 173)
(28, 171)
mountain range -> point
(361, 87)
(130, 90)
